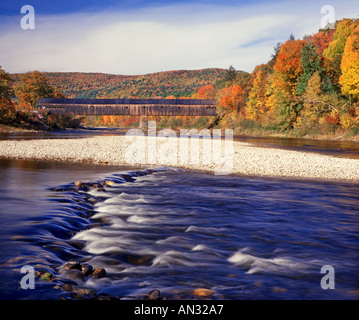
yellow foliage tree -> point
(349, 80)
(256, 104)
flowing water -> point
(176, 231)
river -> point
(178, 230)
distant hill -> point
(181, 83)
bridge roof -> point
(183, 102)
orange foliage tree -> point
(349, 80)
(206, 92)
(288, 67)
(231, 99)
(321, 40)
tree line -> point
(18, 103)
(309, 86)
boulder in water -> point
(99, 273)
(86, 269)
(153, 295)
(202, 292)
(79, 184)
(72, 274)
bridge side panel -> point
(130, 109)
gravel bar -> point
(198, 154)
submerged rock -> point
(83, 290)
(72, 265)
(86, 269)
(98, 273)
(153, 295)
(72, 274)
(79, 184)
(202, 292)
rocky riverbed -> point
(210, 155)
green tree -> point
(231, 74)
(310, 64)
(274, 56)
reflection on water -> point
(239, 237)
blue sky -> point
(139, 37)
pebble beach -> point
(209, 156)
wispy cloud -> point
(154, 39)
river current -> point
(176, 231)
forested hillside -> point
(162, 84)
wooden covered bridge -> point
(130, 107)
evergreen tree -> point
(231, 74)
(310, 64)
(274, 56)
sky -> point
(133, 37)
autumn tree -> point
(287, 71)
(7, 108)
(33, 86)
(206, 92)
(321, 40)
(288, 66)
(6, 85)
(349, 79)
(256, 104)
(309, 115)
(231, 99)
(334, 53)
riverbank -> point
(244, 159)
(10, 129)
(342, 136)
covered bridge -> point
(131, 107)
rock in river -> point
(99, 273)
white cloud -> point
(156, 39)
